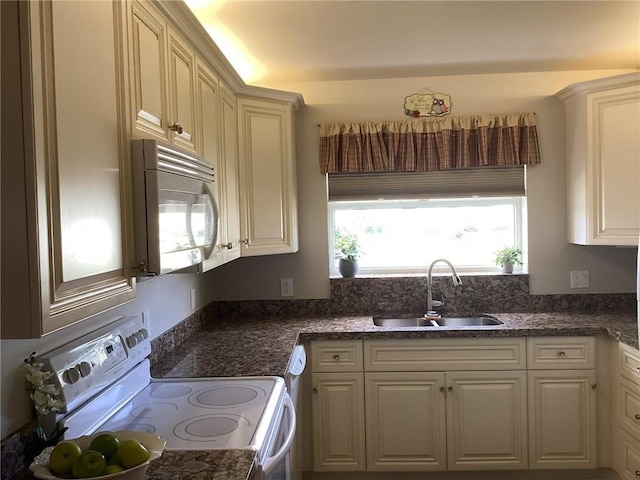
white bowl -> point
(155, 445)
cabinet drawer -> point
(630, 407)
(336, 356)
(445, 354)
(629, 363)
(561, 353)
(630, 463)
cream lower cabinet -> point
(444, 404)
(562, 402)
(626, 412)
(66, 228)
(337, 405)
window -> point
(405, 236)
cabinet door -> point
(182, 108)
(406, 421)
(76, 155)
(337, 406)
(267, 177)
(147, 67)
(562, 419)
(486, 420)
(208, 121)
(229, 173)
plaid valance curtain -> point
(430, 144)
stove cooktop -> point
(202, 414)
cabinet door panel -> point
(181, 93)
(406, 422)
(148, 67)
(229, 137)
(562, 419)
(486, 420)
(338, 421)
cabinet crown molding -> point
(589, 86)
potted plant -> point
(346, 250)
(508, 257)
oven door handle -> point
(272, 462)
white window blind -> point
(459, 183)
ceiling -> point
(276, 41)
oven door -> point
(277, 462)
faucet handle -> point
(437, 303)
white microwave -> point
(175, 212)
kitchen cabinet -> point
(162, 79)
(562, 402)
(268, 198)
(626, 412)
(603, 160)
(456, 426)
(337, 405)
(65, 194)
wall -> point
(550, 257)
(166, 298)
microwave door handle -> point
(272, 462)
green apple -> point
(132, 453)
(105, 443)
(63, 457)
(114, 469)
(89, 464)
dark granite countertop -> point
(262, 346)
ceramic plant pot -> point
(507, 267)
(348, 268)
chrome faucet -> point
(456, 281)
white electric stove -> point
(106, 386)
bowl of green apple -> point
(121, 455)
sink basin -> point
(478, 321)
(472, 321)
(402, 322)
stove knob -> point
(145, 333)
(139, 336)
(85, 368)
(72, 375)
(132, 341)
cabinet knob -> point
(336, 357)
(450, 389)
(561, 353)
(594, 386)
(441, 389)
(637, 415)
(638, 473)
(176, 127)
(227, 245)
(314, 390)
(245, 241)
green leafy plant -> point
(347, 246)
(509, 254)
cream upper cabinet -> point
(162, 74)
(64, 168)
(268, 199)
(228, 171)
(603, 160)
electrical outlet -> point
(193, 299)
(286, 287)
(579, 278)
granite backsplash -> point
(361, 296)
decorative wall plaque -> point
(427, 103)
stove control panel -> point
(88, 365)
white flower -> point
(41, 392)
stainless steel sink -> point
(478, 321)
(471, 321)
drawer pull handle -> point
(336, 357)
(637, 415)
(561, 354)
